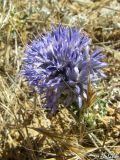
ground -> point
(26, 132)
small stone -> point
(110, 111)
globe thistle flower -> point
(58, 65)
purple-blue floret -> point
(59, 64)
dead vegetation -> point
(25, 130)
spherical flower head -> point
(58, 65)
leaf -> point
(90, 97)
(64, 141)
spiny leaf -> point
(69, 144)
(90, 96)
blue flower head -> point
(58, 65)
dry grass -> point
(25, 130)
